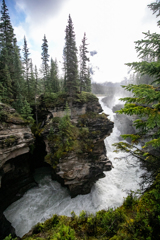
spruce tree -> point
(54, 82)
(32, 81)
(88, 81)
(145, 103)
(26, 63)
(6, 55)
(45, 66)
(84, 80)
(18, 80)
(70, 60)
(36, 93)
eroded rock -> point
(84, 162)
(15, 173)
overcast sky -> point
(111, 28)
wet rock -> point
(15, 173)
(80, 167)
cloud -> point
(111, 28)
(40, 11)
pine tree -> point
(155, 7)
(145, 103)
(36, 92)
(6, 55)
(54, 82)
(70, 60)
(26, 112)
(45, 66)
(32, 81)
(26, 62)
(18, 80)
(84, 81)
(88, 81)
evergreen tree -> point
(88, 81)
(155, 7)
(26, 112)
(26, 62)
(18, 80)
(54, 82)
(145, 103)
(32, 81)
(36, 92)
(84, 81)
(45, 66)
(70, 60)
(6, 55)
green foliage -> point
(130, 201)
(85, 97)
(9, 237)
(110, 221)
(36, 129)
(85, 81)
(26, 112)
(45, 66)
(54, 83)
(63, 141)
(70, 60)
(61, 98)
(145, 103)
(137, 218)
(64, 233)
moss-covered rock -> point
(74, 134)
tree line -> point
(20, 80)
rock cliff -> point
(73, 135)
(15, 174)
(74, 139)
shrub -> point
(64, 233)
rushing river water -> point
(50, 198)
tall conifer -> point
(26, 63)
(54, 82)
(6, 55)
(45, 66)
(145, 104)
(84, 77)
(70, 60)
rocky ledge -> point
(74, 138)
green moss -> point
(55, 99)
(51, 159)
(9, 141)
(7, 116)
(60, 99)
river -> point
(50, 197)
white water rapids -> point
(50, 198)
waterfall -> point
(40, 203)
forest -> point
(21, 82)
(20, 86)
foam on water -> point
(50, 197)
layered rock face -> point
(77, 154)
(15, 174)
